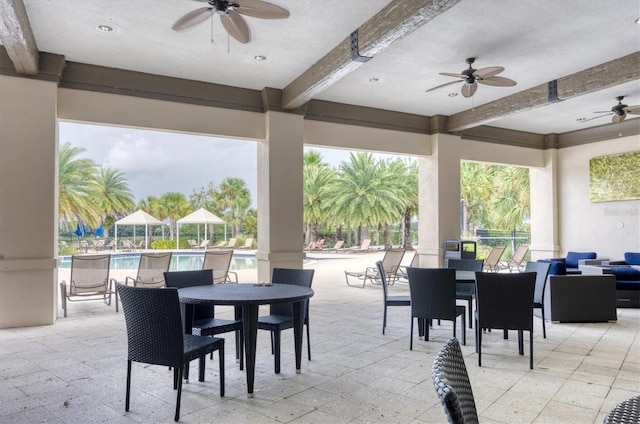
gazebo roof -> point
(201, 216)
(139, 218)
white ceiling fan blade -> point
(488, 72)
(633, 110)
(236, 26)
(261, 9)
(497, 81)
(448, 74)
(618, 118)
(193, 18)
(443, 85)
(469, 90)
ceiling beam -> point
(17, 37)
(609, 74)
(398, 19)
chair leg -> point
(272, 350)
(201, 368)
(426, 325)
(544, 327)
(221, 366)
(308, 342)
(411, 336)
(177, 417)
(463, 329)
(384, 318)
(276, 344)
(470, 311)
(521, 342)
(240, 348)
(530, 350)
(505, 334)
(126, 401)
(479, 344)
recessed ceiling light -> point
(259, 57)
(581, 119)
(105, 28)
(454, 94)
(373, 79)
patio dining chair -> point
(542, 273)
(219, 262)
(151, 269)
(505, 301)
(155, 336)
(389, 300)
(391, 262)
(89, 280)
(433, 296)
(281, 314)
(492, 263)
(451, 381)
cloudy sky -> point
(155, 162)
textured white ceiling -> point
(535, 40)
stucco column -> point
(543, 184)
(280, 194)
(439, 197)
(28, 202)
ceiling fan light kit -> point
(471, 77)
(230, 15)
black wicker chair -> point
(156, 336)
(505, 301)
(542, 272)
(466, 291)
(452, 385)
(204, 321)
(433, 296)
(281, 315)
(389, 300)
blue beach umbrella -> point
(80, 230)
(99, 231)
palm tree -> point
(316, 178)
(512, 201)
(361, 196)
(408, 186)
(77, 199)
(115, 195)
(234, 198)
(476, 185)
(173, 206)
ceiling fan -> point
(229, 12)
(619, 111)
(471, 77)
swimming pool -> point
(180, 261)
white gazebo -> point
(201, 216)
(137, 218)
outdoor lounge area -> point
(75, 371)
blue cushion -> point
(625, 273)
(573, 257)
(558, 267)
(632, 258)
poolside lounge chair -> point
(248, 244)
(336, 247)
(151, 269)
(231, 244)
(89, 280)
(492, 263)
(310, 246)
(204, 244)
(364, 247)
(220, 245)
(390, 262)
(219, 262)
(192, 244)
(516, 262)
(409, 259)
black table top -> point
(244, 294)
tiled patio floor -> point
(74, 371)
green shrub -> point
(168, 244)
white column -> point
(28, 202)
(439, 197)
(280, 209)
(544, 207)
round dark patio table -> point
(249, 297)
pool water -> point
(180, 261)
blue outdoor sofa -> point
(627, 275)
